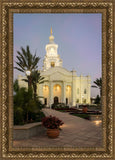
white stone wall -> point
(21, 82)
(83, 83)
(63, 78)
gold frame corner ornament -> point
(8, 8)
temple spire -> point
(51, 31)
(51, 38)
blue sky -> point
(78, 37)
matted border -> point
(7, 10)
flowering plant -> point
(51, 122)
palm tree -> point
(98, 84)
(16, 86)
(36, 78)
(27, 62)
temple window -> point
(84, 91)
(52, 64)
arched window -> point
(52, 64)
(78, 91)
(84, 91)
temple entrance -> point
(66, 101)
(45, 101)
(56, 100)
(57, 93)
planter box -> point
(27, 131)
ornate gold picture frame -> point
(8, 8)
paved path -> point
(75, 131)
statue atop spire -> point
(51, 31)
(51, 38)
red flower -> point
(51, 122)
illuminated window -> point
(52, 49)
(68, 88)
(45, 87)
(52, 64)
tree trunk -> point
(27, 116)
(35, 90)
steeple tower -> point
(51, 59)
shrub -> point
(37, 117)
(26, 108)
(59, 106)
(18, 116)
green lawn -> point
(61, 110)
(85, 116)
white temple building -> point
(60, 85)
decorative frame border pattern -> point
(7, 10)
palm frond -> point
(34, 63)
(24, 52)
(21, 66)
(25, 80)
(22, 58)
(18, 69)
(94, 86)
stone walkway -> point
(76, 132)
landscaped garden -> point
(27, 106)
(84, 111)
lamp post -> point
(28, 73)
